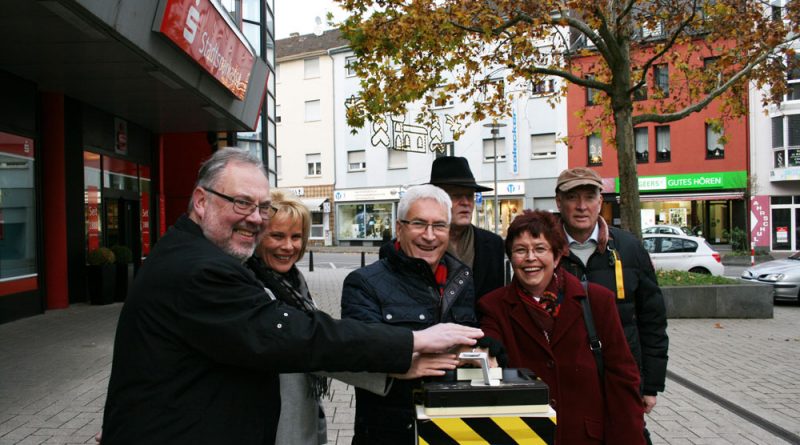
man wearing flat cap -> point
(479, 249)
(615, 259)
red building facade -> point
(687, 176)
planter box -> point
(124, 280)
(101, 282)
(746, 300)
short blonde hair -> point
(289, 206)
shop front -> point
(365, 217)
(510, 202)
(706, 204)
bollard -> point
(311, 261)
(752, 254)
(363, 261)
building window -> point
(348, 66)
(591, 93)
(640, 93)
(543, 146)
(543, 86)
(317, 225)
(642, 144)
(712, 73)
(714, 148)
(661, 78)
(312, 110)
(776, 13)
(793, 79)
(356, 161)
(311, 68)
(314, 163)
(595, 149)
(489, 149)
(18, 211)
(777, 132)
(277, 114)
(397, 159)
(492, 87)
(663, 150)
(440, 100)
(277, 73)
(443, 149)
(279, 166)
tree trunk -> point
(630, 207)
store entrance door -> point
(121, 223)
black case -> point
(518, 387)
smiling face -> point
(533, 262)
(580, 208)
(235, 234)
(427, 244)
(282, 243)
(463, 204)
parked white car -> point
(667, 230)
(683, 252)
(783, 275)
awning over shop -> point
(722, 196)
(314, 204)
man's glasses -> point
(421, 226)
(245, 207)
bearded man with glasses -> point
(416, 284)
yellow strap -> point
(518, 430)
(459, 431)
(618, 273)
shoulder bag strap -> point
(595, 345)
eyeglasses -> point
(421, 226)
(245, 207)
(522, 252)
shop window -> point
(781, 228)
(714, 148)
(119, 174)
(317, 225)
(489, 149)
(397, 159)
(779, 158)
(642, 145)
(543, 146)
(595, 149)
(311, 68)
(144, 206)
(661, 77)
(663, 148)
(314, 163)
(778, 200)
(92, 196)
(365, 221)
(17, 209)
(356, 161)
(312, 110)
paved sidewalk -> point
(54, 373)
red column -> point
(54, 206)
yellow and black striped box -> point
(538, 429)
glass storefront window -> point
(509, 209)
(781, 225)
(365, 221)
(119, 174)
(317, 225)
(17, 207)
(91, 199)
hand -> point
(476, 363)
(428, 365)
(649, 402)
(443, 336)
(98, 437)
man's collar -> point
(593, 237)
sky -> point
(298, 16)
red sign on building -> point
(198, 28)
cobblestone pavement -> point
(54, 373)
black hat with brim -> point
(454, 170)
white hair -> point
(425, 191)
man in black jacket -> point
(479, 249)
(200, 343)
(616, 260)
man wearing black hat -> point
(479, 249)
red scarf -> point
(545, 311)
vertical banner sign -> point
(759, 220)
(145, 223)
(120, 136)
(92, 217)
(199, 30)
(514, 154)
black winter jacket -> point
(402, 291)
(642, 311)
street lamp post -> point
(495, 130)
